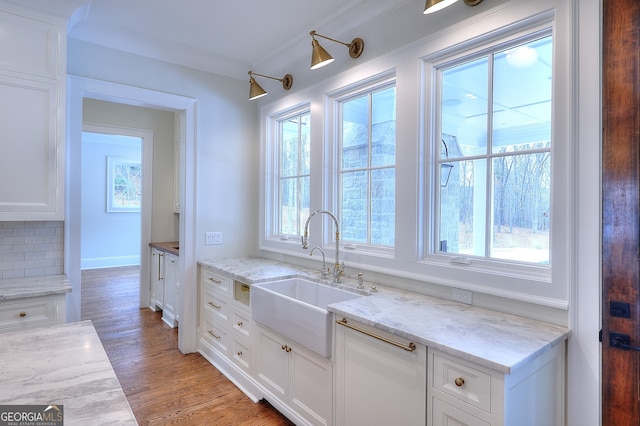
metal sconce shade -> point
(320, 57)
(436, 5)
(256, 91)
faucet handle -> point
(360, 280)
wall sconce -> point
(320, 57)
(256, 91)
(445, 168)
(436, 5)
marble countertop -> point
(172, 247)
(64, 365)
(18, 288)
(496, 340)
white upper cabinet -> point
(32, 107)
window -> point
(293, 173)
(493, 152)
(367, 175)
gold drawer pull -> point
(214, 305)
(245, 287)
(459, 381)
(410, 347)
(212, 333)
(22, 314)
(214, 280)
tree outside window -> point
(495, 121)
(293, 173)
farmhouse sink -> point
(297, 309)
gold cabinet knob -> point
(22, 314)
(459, 381)
(240, 353)
(239, 323)
(284, 347)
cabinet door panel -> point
(446, 415)
(29, 46)
(311, 385)
(272, 364)
(29, 163)
(379, 383)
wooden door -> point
(621, 207)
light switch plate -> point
(212, 238)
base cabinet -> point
(378, 383)
(297, 377)
(32, 312)
(157, 279)
(170, 290)
(463, 393)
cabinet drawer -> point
(444, 414)
(462, 381)
(28, 313)
(214, 304)
(215, 281)
(241, 323)
(215, 334)
(241, 355)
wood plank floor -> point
(163, 385)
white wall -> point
(108, 239)
(164, 223)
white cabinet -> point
(32, 106)
(170, 289)
(381, 379)
(225, 328)
(157, 279)
(298, 378)
(463, 393)
(26, 313)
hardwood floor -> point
(163, 385)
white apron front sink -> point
(297, 309)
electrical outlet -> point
(213, 238)
(464, 296)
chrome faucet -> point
(323, 271)
(338, 268)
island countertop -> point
(497, 340)
(63, 365)
(45, 285)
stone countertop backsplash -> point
(44, 285)
(490, 338)
(172, 247)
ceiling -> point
(227, 37)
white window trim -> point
(408, 268)
(332, 117)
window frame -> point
(360, 88)
(526, 30)
(271, 154)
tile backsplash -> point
(30, 249)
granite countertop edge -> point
(26, 287)
(496, 340)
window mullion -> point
(488, 237)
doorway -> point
(81, 88)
